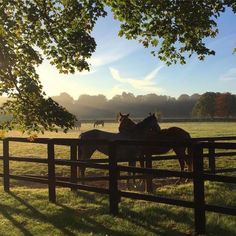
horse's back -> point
(123, 152)
(99, 134)
(91, 134)
(178, 132)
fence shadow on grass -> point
(87, 224)
(150, 218)
(34, 213)
(88, 197)
(69, 221)
(216, 228)
(6, 211)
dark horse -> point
(127, 126)
(124, 152)
(98, 122)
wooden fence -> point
(112, 165)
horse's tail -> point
(189, 157)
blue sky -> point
(120, 65)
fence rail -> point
(199, 175)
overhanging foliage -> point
(60, 30)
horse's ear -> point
(150, 114)
(128, 115)
(120, 114)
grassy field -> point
(39, 150)
(26, 210)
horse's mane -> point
(143, 124)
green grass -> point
(26, 210)
(196, 129)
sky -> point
(121, 65)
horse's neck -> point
(125, 130)
(127, 126)
(141, 128)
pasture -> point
(26, 210)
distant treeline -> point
(213, 105)
(207, 105)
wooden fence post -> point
(6, 169)
(113, 180)
(212, 161)
(198, 186)
(51, 172)
(148, 164)
(73, 168)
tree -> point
(205, 106)
(215, 104)
(60, 30)
(225, 104)
(179, 27)
(183, 97)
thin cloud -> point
(109, 54)
(147, 84)
(229, 75)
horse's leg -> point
(184, 159)
(131, 164)
(180, 153)
(189, 160)
(84, 153)
(141, 162)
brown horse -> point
(123, 152)
(170, 134)
(98, 122)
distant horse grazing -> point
(170, 134)
(77, 125)
(98, 122)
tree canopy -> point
(60, 30)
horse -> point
(98, 122)
(140, 130)
(77, 125)
(169, 134)
(124, 152)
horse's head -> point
(123, 117)
(149, 125)
(126, 124)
